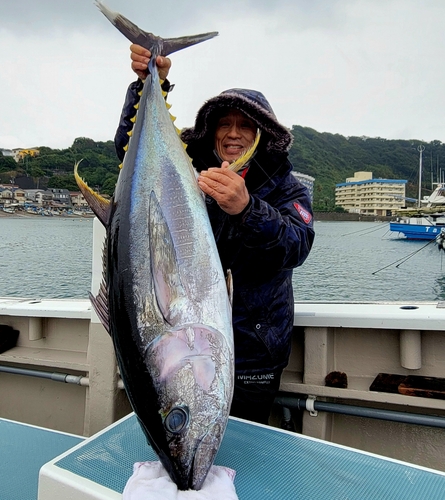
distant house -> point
(6, 195)
(31, 194)
(7, 152)
(44, 198)
(19, 153)
(61, 196)
(19, 196)
(367, 196)
(41, 197)
(78, 199)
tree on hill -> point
(329, 158)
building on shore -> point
(307, 181)
(364, 195)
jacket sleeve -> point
(280, 226)
(128, 112)
(125, 124)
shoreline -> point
(318, 216)
(26, 215)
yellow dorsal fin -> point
(243, 159)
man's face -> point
(235, 133)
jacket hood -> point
(275, 138)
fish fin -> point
(169, 290)
(98, 204)
(229, 283)
(243, 159)
(154, 43)
(100, 305)
(100, 301)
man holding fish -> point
(261, 217)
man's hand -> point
(227, 188)
(140, 58)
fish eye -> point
(177, 419)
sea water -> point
(50, 257)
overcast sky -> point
(353, 67)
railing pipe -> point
(57, 377)
(362, 411)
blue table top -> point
(23, 450)
(270, 464)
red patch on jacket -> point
(304, 214)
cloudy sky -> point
(353, 67)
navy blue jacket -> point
(261, 247)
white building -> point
(307, 181)
(364, 195)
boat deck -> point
(23, 450)
(270, 464)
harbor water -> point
(50, 257)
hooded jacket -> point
(261, 246)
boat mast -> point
(420, 149)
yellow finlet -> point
(136, 106)
(172, 118)
(133, 120)
(140, 93)
(125, 148)
(130, 133)
(243, 159)
(121, 165)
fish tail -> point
(155, 44)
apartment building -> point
(364, 195)
(307, 181)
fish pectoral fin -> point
(169, 290)
(98, 204)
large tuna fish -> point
(164, 298)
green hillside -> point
(329, 158)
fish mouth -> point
(193, 475)
(204, 455)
